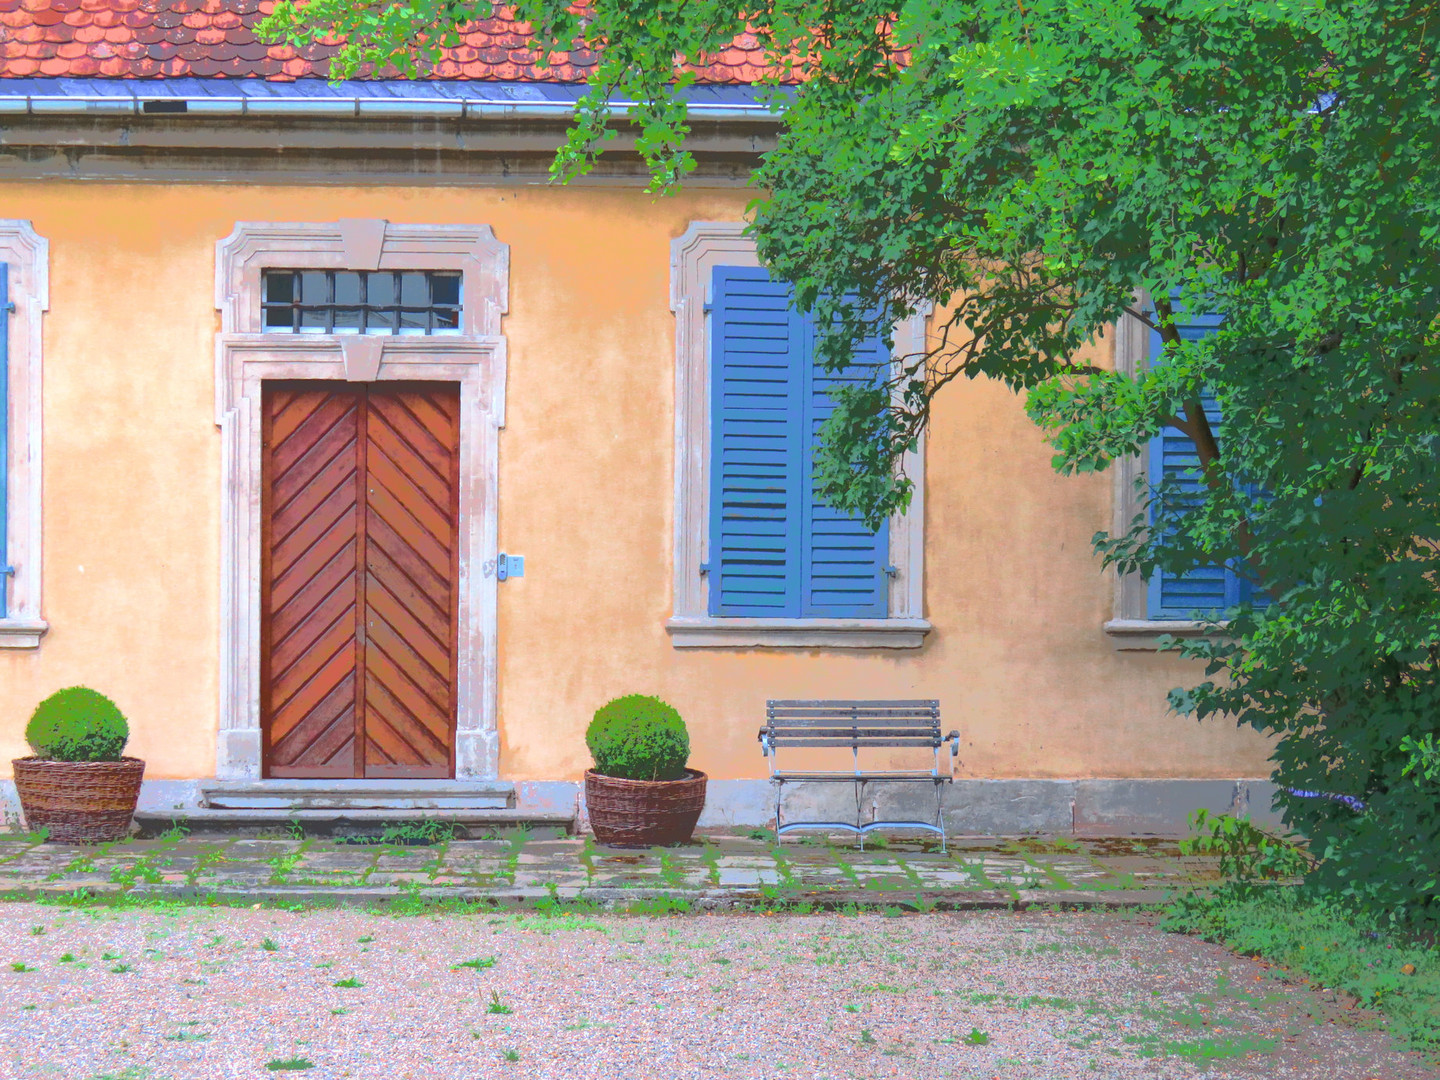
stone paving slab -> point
(718, 870)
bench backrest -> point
(853, 724)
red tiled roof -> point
(156, 39)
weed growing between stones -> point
(423, 833)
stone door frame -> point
(245, 357)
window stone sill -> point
(1143, 635)
(703, 632)
(22, 633)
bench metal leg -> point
(779, 796)
(859, 802)
(861, 827)
(940, 817)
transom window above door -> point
(361, 301)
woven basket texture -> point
(79, 801)
(644, 813)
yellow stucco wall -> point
(132, 507)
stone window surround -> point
(28, 256)
(1131, 630)
(704, 246)
(245, 356)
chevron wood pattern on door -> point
(311, 541)
(359, 564)
(412, 455)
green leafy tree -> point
(1037, 170)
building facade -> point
(298, 374)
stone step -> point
(471, 823)
(424, 795)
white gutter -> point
(353, 107)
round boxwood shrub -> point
(638, 737)
(77, 724)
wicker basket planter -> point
(79, 801)
(644, 813)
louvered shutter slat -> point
(1206, 590)
(754, 501)
(844, 574)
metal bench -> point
(857, 725)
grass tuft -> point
(294, 1064)
(480, 963)
(1331, 944)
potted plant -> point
(640, 794)
(78, 785)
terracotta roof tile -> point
(140, 39)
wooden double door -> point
(359, 578)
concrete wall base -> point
(1097, 807)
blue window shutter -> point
(844, 562)
(776, 551)
(1206, 590)
(756, 488)
(4, 438)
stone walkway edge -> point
(647, 901)
(717, 872)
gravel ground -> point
(212, 993)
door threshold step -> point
(468, 824)
(392, 795)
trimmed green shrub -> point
(638, 737)
(77, 724)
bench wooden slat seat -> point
(870, 777)
(857, 726)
